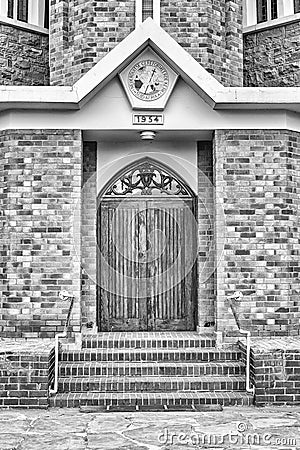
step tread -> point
(152, 350)
(127, 335)
(162, 395)
(150, 363)
(132, 379)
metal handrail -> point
(237, 296)
(63, 296)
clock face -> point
(148, 80)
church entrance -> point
(147, 250)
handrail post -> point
(238, 295)
(63, 295)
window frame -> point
(285, 9)
(35, 14)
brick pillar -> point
(256, 176)
(39, 193)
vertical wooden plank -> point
(103, 241)
(175, 263)
(158, 266)
(189, 242)
(170, 257)
(126, 271)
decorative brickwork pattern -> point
(24, 57)
(89, 234)
(206, 256)
(257, 176)
(272, 58)
(40, 185)
(83, 32)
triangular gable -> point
(148, 34)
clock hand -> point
(153, 72)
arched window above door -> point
(147, 177)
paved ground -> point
(232, 428)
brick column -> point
(257, 179)
(40, 176)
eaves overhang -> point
(148, 34)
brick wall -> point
(275, 371)
(272, 57)
(24, 57)
(40, 185)
(88, 234)
(26, 372)
(211, 31)
(83, 32)
(257, 176)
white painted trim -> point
(249, 13)
(36, 12)
(138, 12)
(269, 9)
(156, 11)
(15, 11)
(24, 25)
(288, 7)
(272, 23)
(3, 8)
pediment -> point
(148, 42)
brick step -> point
(135, 369)
(148, 340)
(186, 354)
(151, 384)
(74, 400)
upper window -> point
(145, 9)
(260, 11)
(31, 12)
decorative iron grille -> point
(147, 179)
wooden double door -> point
(147, 267)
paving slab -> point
(234, 428)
